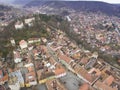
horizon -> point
(107, 1)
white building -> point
(19, 25)
(12, 41)
(34, 40)
(17, 57)
(29, 21)
(68, 18)
(16, 86)
(23, 44)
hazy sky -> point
(109, 1)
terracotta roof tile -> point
(109, 80)
(65, 58)
(84, 87)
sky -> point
(109, 1)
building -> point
(23, 44)
(33, 40)
(17, 57)
(44, 40)
(19, 25)
(91, 63)
(59, 71)
(30, 67)
(12, 41)
(3, 76)
(29, 21)
(16, 80)
(108, 81)
(101, 86)
(30, 79)
(85, 86)
(54, 85)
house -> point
(101, 86)
(86, 86)
(3, 76)
(59, 71)
(16, 86)
(29, 21)
(44, 40)
(39, 73)
(30, 67)
(95, 71)
(108, 81)
(65, 58)
(54, 85)
(23, 44)
(33, 40)
(68, 18)
(17, 57)
(95, 55)
(87, 77)
(30, 79)
(91, 63)
(12, 41)
(19, 25)
(84, 60)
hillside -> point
(37, 30)
(89, 6)
(4, 8)
(21, 2)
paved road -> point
(64, 63)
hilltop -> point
(89, 6)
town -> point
(59, 63)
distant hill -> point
(21, 2)
(6, 1)
(90, 6)
(4, 8)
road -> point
(68, 67)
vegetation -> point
(37, 30)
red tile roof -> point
(84, 60)
(84, 87)
(103, 86)
(65, 58)
(109, 80)
(83, 72)
(59, 70)
(22, 42)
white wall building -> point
(29, 21)
(19, 25)
(23, 44)
(17, 57)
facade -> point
(12, 41)
(19, 25)
(29, 21)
